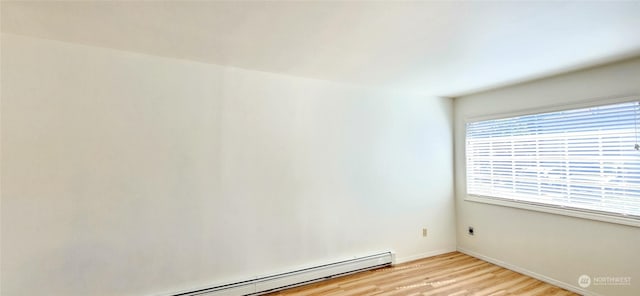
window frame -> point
(541, 207)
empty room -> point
(182, 148)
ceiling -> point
(435, 48)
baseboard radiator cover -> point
(276, 282)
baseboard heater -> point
(294, 278)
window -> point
(584, 160)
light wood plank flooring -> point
(451, 274)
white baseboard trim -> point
(422, 255)
(259, 285)
(530, 273)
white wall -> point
(127, 174)
(558, 247)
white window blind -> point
(585, 159)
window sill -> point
(554, 210)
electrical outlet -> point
(471, 231)
(424, 232)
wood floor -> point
(452, 274)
